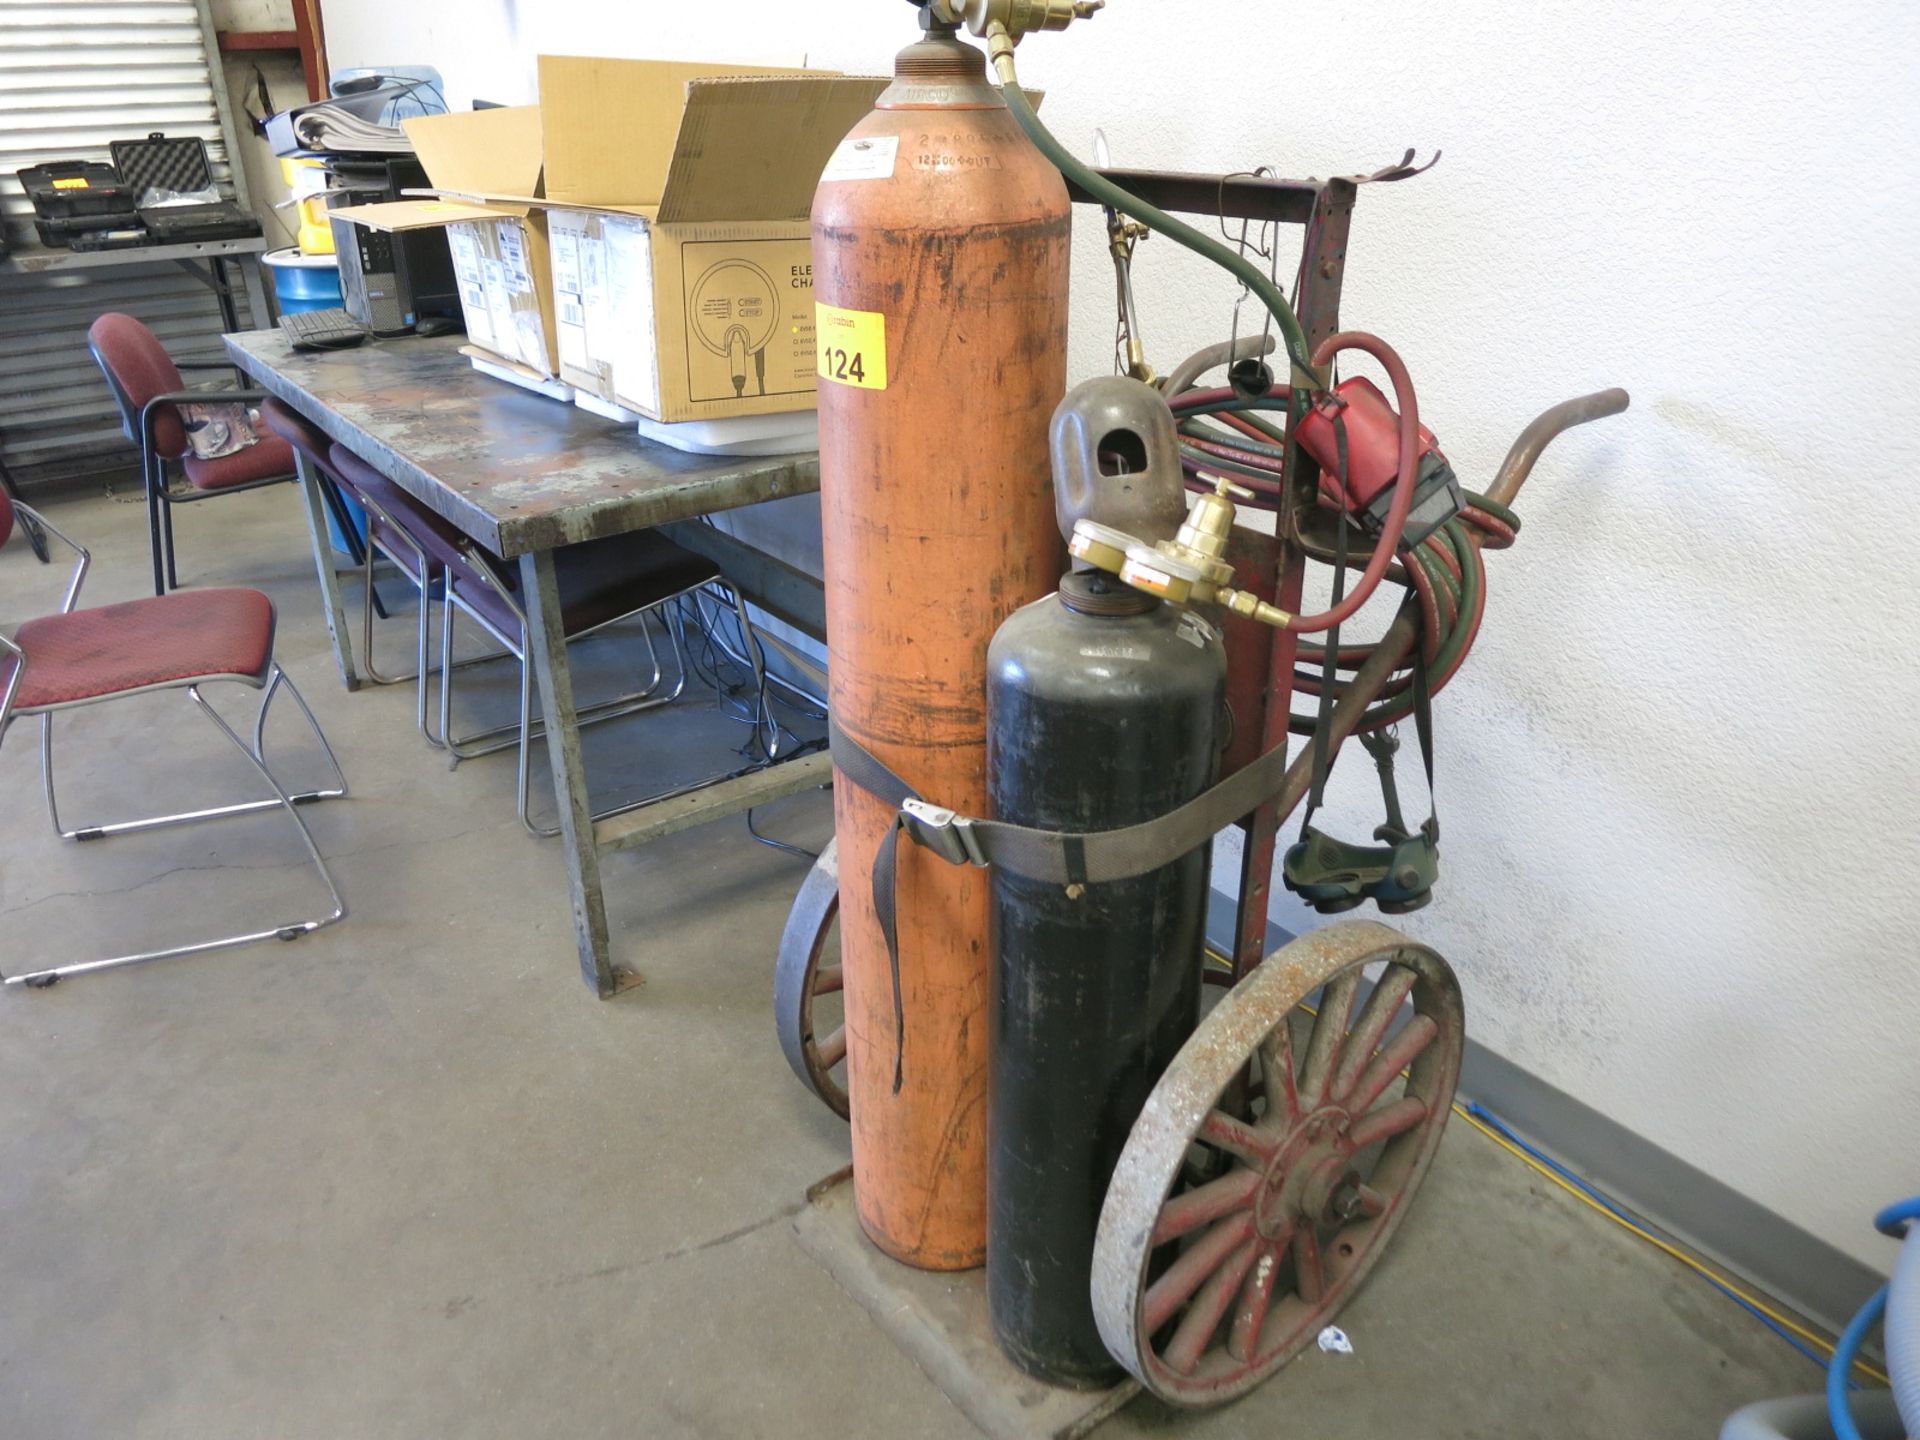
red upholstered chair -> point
(600, 581)
(183, 641)
(384, 537)
(147, 388)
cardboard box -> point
(685, 279)
(486, 167)
(590, 313)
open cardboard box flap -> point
(484, 165)
(754, 149)
(682, 142)
(491, 157)
(417, 214)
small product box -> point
(677, 198)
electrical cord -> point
(1808, 1342)
(773, 844)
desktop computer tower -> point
(389, 282)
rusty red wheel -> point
(1204, 1293)
(806, 986)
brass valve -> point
(1016, 17)
(1203, 539)
(1190, 567)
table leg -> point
(547, 653)
(223, 291)
(256, 291)
(316, 508)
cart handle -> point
(1547, 427)
(1404, 633)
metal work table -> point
(524, 475)
(40, 260)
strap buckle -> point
(1329, 403)
(945, 832)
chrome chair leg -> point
(523, 780)
(653, 656)
(292, 930)
(370, 607)
(496, 738)
(166, 530)
(447, 741)
(277, 677)
(421, 644)
(520, 734)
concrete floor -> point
(406, 1179)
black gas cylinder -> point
(1104, 708)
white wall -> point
(1678, 778)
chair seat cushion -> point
(163, 640)
(601, 580)
(270, 457)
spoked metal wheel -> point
(806, 985)
(1204, 1290)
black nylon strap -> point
(1423, 727)
(859, 765)
(1330, 672)
(1073, 854)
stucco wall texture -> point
(1677, 777)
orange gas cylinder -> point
(940, 241)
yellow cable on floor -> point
(1785, 1322)
(1666, 1247)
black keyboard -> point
(323, 330)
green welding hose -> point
(1220, 465)
(1458, 636)
(1265, 426)
(1219, 435)
(1243, 408)
(1125, 201)
(1494, 508)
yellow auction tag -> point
(76, 183)
(852, 345)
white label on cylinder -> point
(863, 158)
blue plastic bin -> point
(303, 282)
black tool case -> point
(178, 163)
(129, 239)
(72, 197)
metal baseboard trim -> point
(1748, 1240)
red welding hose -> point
(1443, 552)
(1431, 619)
(1229, 452)
(1307, 682)
(1498, 534)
